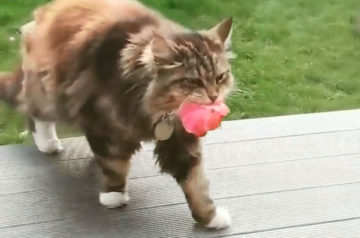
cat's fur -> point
(114, 68)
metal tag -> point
(164, 128)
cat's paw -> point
(221, 219)
(114, 199)
(52, 146)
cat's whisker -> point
(132, 88)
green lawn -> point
(295, 56)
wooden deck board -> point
(295, 176)
(333, 229)
(251, 214)
(230, 154)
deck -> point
(291, 176)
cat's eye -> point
(194, 81)
(221, 77)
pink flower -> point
(198, 119)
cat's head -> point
(190, 67)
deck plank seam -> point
(291, 227)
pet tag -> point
(164, 128)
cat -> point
(115, 68)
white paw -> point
(51, 146)
(114, 199)
(220, 220)
(45, 137)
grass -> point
(296, 56)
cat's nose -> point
(213, 97)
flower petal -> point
(198, 118)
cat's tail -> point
(10, 86)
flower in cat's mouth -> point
(197, 119)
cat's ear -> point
(161, 48)
(157, 53)
(222, 31)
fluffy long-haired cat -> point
(117, 68)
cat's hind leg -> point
(114, 178)
(45, 137)
(113, 157)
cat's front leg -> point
(180, 156)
